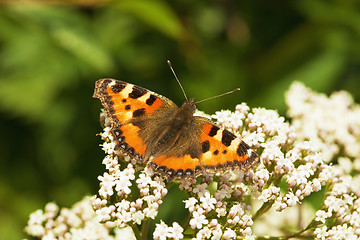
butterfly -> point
(153, 130)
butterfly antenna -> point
(235, 90)
(182, 89)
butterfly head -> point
(190, 104)
(184, 115)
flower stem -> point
(136, 231)
(145, 229)
(265, 207)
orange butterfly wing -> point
(218, 149)
(125, 104)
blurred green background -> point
(51, 54)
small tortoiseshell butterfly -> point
(171, 140)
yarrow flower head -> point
(220, 197)
(234, 204)
(79, 222)
(332, 123)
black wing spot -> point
(179, 173)
(138, 157)
(118, 132)
(124, 100)
(188, 172)
(213, 131)
(121, 139)
(225, 151)
(216, 152)
(205, 146)
(170, 172)
(127, 107)
(242, 149)
(161, 169)
(118, 87)
(151, 100)
(131, 150)
(227, 138)
(139, 112)
(137, 92)
(122, 145)
(153, 165)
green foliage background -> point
(51, 55)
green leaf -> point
(155, 13)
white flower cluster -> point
(342, 209)
(234, 204)
(163, 231)
(296, 162)
(305, 172)
(119, 183)
(332, 123)
(204, 206)
(78, 223)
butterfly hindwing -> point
(221, 149)
(210, 149)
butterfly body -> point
(153, 130)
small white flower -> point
(35, 230)
(290, 199)
(321, 216)
(321, 232)
(104, 214)
(213, 222)
(223, 192)
(204, 233)
(109, 147)
(200, 189)
(143, 181)
(51, 210)
(138, 216)
(269, 194)
(186, 184)
(176, 232)
(161, 231)
(150, 212)
(242, 108)
(106, 185)
(123, 183)
(236, 210)
(221, 211)
(355, 219)
(261, 177)
(37, 217)
(229, 234)
(190, 203)
(110, 162)
(198, 220)
(129, 172)
(207, 202)
(217, 233)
